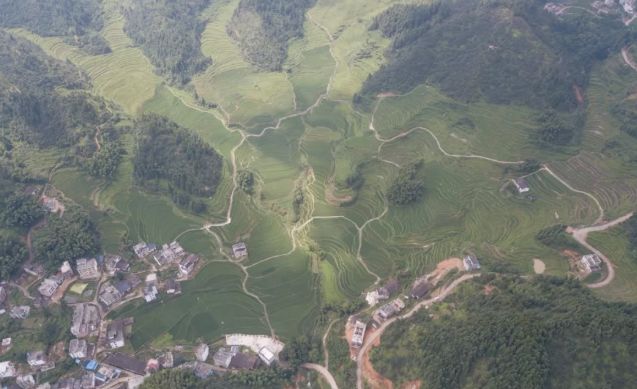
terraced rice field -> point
(329, 253)
(124, 76)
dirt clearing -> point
(538, 266)
(445, 267)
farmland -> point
(300, 134)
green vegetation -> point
(105, 160)
(69, 237)
(631, 232)
(20, 211)
(548, 332)
(408, 187)
(507, 51)
(169, 33)
(170, 379)
(625, 112)
(556, 237)
(245, 178)
(92, 43)
(32, 103)
(171, 160)
(264, 29)
(555, 131)
(12, 255)
(300, 350)
(52, 17)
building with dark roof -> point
(522, 185)
(243, 361)
(126, 362)
(420, 289)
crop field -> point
(606, 166)
(249, 97)
(210, 305)
(312, 240)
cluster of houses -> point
(168, 254)
(90, 335)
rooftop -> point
(126, 362)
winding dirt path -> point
(98, 133)
(581, 235)
(627, 58)
(566, 184)
(246, 136)
(326, 353)
(324, 372)
(369, 342)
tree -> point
(66, 238)
(172, 379)
(246, 181)
(172, 160)
(12, 255)
(407, 188)
(21, 211)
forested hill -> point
(52, 17)
(264, 28)
(511, 333)
(169, 33)
(172, 160)
(40, 98)
(502, 51)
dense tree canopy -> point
(52, 17)
(502, 51)
(172, 379)
(264, 29)
(12, 255)
(408, 187)
(171, 159)
(169, 33)
(544, 333)
(245, 178)
(631, 231)
(20, 210)
(32, 102)
(66, 238)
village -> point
(94, 287)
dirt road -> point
(628, 59)
(322, 371)
(371, 339)
(581, 234)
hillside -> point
(504, 332)
(504, 51)
(52, 17)
(169, 159)
(169, 33)
(264, 29)
(42, 99)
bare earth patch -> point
(332, 198)
(538, 266)
(445, 267)
(374, 378)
